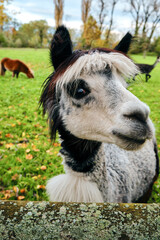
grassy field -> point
(27, 156)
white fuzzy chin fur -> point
(97, 61)
(72, 188)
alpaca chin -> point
(71, 188)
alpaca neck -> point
(80, 154)
(157, 61)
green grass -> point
(27, 156)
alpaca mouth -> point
(129, 139)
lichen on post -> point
(48, 220)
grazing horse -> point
(16, 66)
(108, 143)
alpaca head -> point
(87, 95)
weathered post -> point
(78, 221)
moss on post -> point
(71, 221)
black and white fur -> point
(108, 141)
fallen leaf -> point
(35, 177)
(41, 187)
(15, 177)
(29, 156)
(49, 151)
(19, 160)
(56, 144)
(9, 145)
(8, 135)
(13, 124)
(6, 196)
(20, 197)
(43, 167)
(28, 150)
(23, 134)
(23, 190)
(15, 189)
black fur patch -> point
(107, 72)
(81, 153)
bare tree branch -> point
(85, 6)
(113, 4)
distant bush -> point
(3, 40)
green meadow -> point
(27, 156)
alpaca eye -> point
(78, 89)
(80, 93)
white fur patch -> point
(72, 188)
(96, 61)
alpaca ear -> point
(124, 44)
(61, 46)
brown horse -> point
(16, 66)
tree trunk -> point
(111, 21)
(78, 221)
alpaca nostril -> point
(140, 116)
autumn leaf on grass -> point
(8, 135)
(35, 177)
(41, 187)
(18, 159)
(22, 145)
(29, 156)
(20, 198)
(9, 145)
(34, 148)
(43, 167)
(23, 190)
(23, 134)
(15, 177)
(56, 144)
(49, 151)
(28, 150)
(7, 195)
(16, 190)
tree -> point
(58, 12)
(91, 32)
(4, 18)
(101, 10)
(86, 7)
(41, 27)
(33, 33)
(113, 4)
(146, 15)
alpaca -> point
(16, 66)
(146, 68)
(108, 143)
